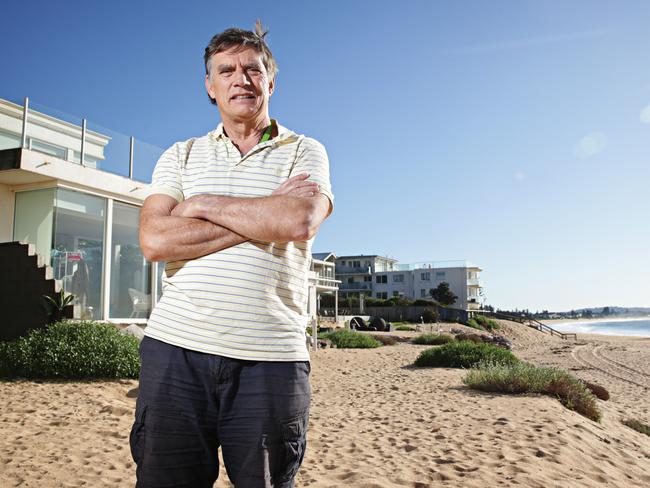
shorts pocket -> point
(294, 442)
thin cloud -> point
(520, 175)
(526, 42)
(590, 145)
(645, 115)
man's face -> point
(238, 81)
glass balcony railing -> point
(65, 136)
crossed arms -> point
(204, 224)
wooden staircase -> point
(25, 278)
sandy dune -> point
(375, 422)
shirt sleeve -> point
(312, 159)
(166, 178)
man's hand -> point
(297, 187)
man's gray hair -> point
(239, 37)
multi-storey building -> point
(356, 273)
(382, 277)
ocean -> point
(617, 327)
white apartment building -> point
(382, 277)
(356, 273)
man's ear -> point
(208, 87)
(271, 86)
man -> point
(233, 215)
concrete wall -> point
(6, 213)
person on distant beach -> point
(224, 358)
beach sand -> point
(375, 422)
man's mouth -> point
(243, 97)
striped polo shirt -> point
(248, 301)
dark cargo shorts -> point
(191, 403)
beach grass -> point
(347, 339)
(464, 354)
(638, 426)
(432, 339)
(527, 378)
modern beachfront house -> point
(80, 221)
(382, 277)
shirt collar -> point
(283, 132)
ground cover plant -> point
(385, 340)
(525, 378)
(349, 339)
(464, 354)
(485, 323)
(638, 426)
(71, 350)
(432, 339)
(404, 328)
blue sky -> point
(514, 134)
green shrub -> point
(485, 323)
(638, 426)
(526, 378)
(464, 354)
(348, 339)
(404, 328)
(71, 350)
(432, 339)
(385, 340)
(474, 324)
(429, 316)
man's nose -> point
(241, 77)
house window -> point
(350, 280)
(367, 278)
(382, 295)
(423, 292)
(425, 276)
(366, 263)
(356, 264)
(395, 293)
(78, 254)
(130, 272)
(382, 279)
(440, 274)
(398, 278)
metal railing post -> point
(83, 142)
(131, 158)
(23, 143)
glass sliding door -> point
(130, 272)
(78, 253)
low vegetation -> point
(464, 354)
(404, 328)
(71, 350)
(385, 340)
(638, 426)
(348, 339)
(432, 339)
(525, 378)
(599, 391)
(481, 322)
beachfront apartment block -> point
(356, 273)
(383, 277)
